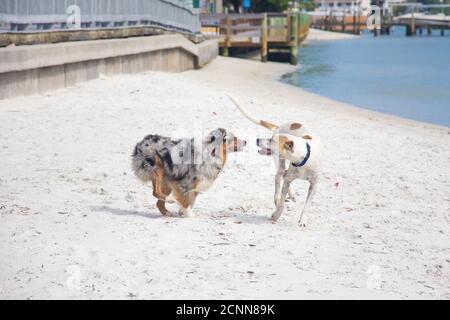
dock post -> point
(294, 39)
(413, 23)
(226, 49)
(264, 36)
(382, 18)
(408, 31)
(358, 29)
(387, 22)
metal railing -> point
(26, 15)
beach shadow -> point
(239, 217)
(244, 218)
(123, 212)
(253, 219)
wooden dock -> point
(414, 23)
(268, 32)
(353, 23)
(417, 22)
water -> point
(404, 76)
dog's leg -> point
(280, 207)
(311, 191)
(186, 210)
(161, 203)
(186, 201)
(291, 195)
(279, 180)
(157, 183)
(167, 192)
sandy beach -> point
(76, 223)
(321, 35)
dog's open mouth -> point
(265, 151)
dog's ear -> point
(289, 145)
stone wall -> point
(26, 70)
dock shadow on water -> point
(404, 76)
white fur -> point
(186, 212)
(284, 177)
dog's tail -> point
(265, 124)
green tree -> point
(279, 5)
(269, 5)
(307, 5)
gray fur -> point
(184, 161)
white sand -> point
(321, 35)
(75, 223)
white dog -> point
(292, 142)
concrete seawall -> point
(26, 70)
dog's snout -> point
(245, 142)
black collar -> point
(308, 154)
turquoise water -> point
(404, 76)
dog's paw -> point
(186, 213)
(302, 223)
(275, 216)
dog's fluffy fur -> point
(180, 167)
(289, 142)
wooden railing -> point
(264, 31)
(341, 23)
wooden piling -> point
(376, 32)
(408, 30)
(358, 25)
(267, 32)
(413, 24)
(264, 38)
(294, 39)
(226, 52)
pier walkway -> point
(418, 21)
(272, 33)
